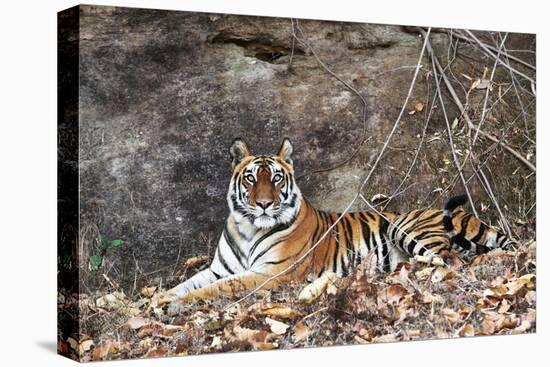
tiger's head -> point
(262, 188)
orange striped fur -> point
(270, 226)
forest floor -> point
(494, 294)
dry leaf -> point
(103, 350)
(516, 285)
(259, 339)
(419, 107)
(385, 338)
(424, 273)
(428, 297)
(216, 342)
(244, 334)
(441, 274)
(313, 290)
(80, 347)
(301, 332)
(504, 306)
(168, 330)
(150, 329)
(145, 343)
(487, 326)
(111, 302)
(523, 327)
(137, 322)
(450, 315)
(277, 327)
(85, 346)
(531, 297)
(196, 261)
(266, 346)
(275, 310)
(156, 352)
(148, 291)
(483, 84)
(378, 197)
(392, 294)
(465, 330)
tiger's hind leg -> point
(430, 249)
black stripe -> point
(464, 224)
(276, 262)
(224, 264)
(398, 226)
(480, 232)
(368, 216)
(278, 228)
(462, 242)
(384, 244)
(413, 243)
(265, 250)
(235, 249)
(291, 181)
(427, 222)
(218, 276)
(347, 235)
(336, 248)
(366, 234)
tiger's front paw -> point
(429, 260)
(166, 297)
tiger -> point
(271, 226)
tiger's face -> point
(262, 188)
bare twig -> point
(450, 133)
(459, 104)
(417, 153)
(484, 110)
(484, 47)
(505, 54)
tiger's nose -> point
(264, 203)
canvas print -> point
(234, 183)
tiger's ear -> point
(285, 151)
(238, 151)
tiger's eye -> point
(277, 178)
(249, 178)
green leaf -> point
(95, 262)
(455, 123)
(116, 243)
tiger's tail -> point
(483, 240)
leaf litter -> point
(494, 294)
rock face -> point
(164, 93)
